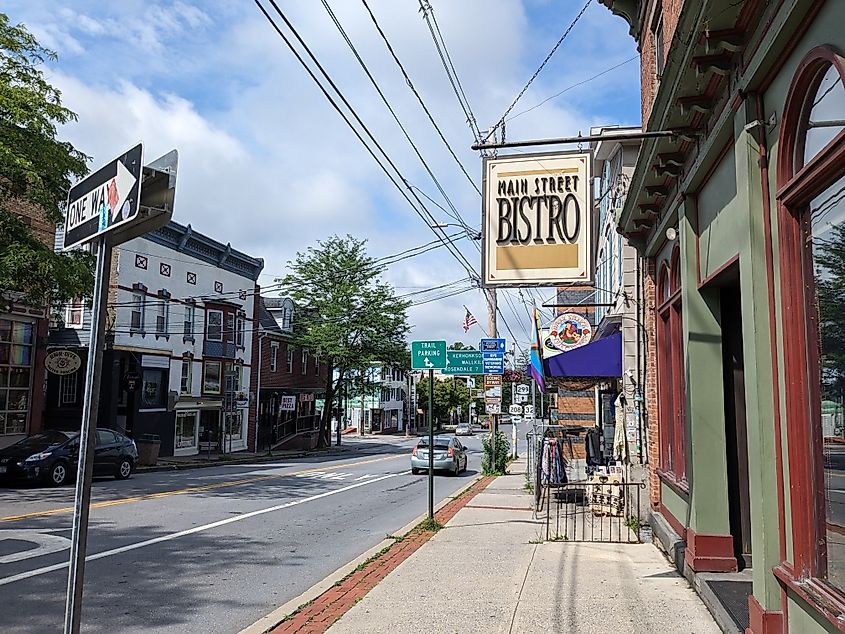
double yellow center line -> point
(194, 489)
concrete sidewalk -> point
(487, 571)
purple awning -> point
(600, 358)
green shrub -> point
(502, 454)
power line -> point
(390, 109)
(417, 95)
(575, 85)
(501, 122)
(454, 251)
(428, 14)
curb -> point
(235, 461)
(267, 623)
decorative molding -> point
(140, 261)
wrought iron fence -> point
(602, 509)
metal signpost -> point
(429, 355)
(107, 207)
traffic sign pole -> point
(430, 446)
(85, 470)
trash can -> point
(148, 448)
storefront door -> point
(209, 429)
(735, 425)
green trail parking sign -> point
(428, 355)
(464, 362)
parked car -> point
(463, 429)
(53, 456)
(449, 455)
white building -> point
(180, 355)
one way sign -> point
(107, 199)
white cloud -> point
(266, 163)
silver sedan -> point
(449, 455)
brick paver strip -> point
(319, 615)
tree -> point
(36, 171)
(448, 396)
(830, 287)
(346, 314)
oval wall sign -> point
(62, 362)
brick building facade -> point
(23, 339)
(291, 382)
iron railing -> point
(601, 509)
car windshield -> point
(439, 443)
(46, 438)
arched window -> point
(670, 372)
(811, 228)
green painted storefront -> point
(733, 216)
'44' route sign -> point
(428, 355)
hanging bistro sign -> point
(537, 219)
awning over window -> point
(600, 358)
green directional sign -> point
(464, 362)
(428, 355)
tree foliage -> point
(36, 171)
(448, 396)
(830, 287)
(345, 313)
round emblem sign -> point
(570, 331)
(62, 362)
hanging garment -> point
(553, 463)
(592, 445)
(620, 439)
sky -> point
(267, 164)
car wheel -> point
(415, 471)
(58, 474)
(124, 469)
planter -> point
(148, 448)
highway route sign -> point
(463, 362)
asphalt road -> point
(207, 550)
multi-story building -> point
(179, 356)
(618, 279)
(394, 400)
(737, 211)
(291, 382)
(23, 332)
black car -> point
(53, 456)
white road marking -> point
(197, 529)
(46, 543)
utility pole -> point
(491, 329)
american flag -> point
(469, 320)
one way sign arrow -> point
(108, 198)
